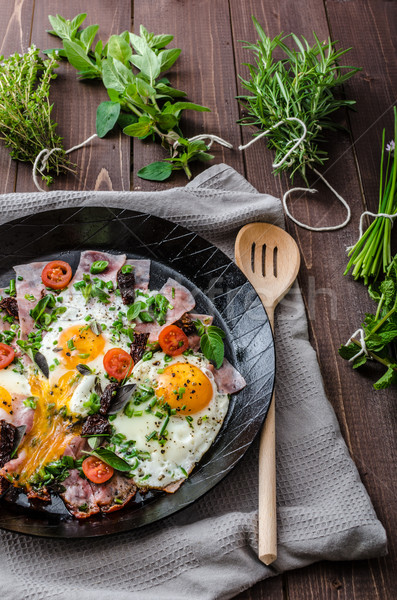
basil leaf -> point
(41, 362)
(19, 434)
(119, 49)
(84, 369)
(111, 459)
(79, 59)
(107, 115)
(95, 328)
(156, 171)
(134, 310)
(217, 330)
(213, 348)
(122, 397)
(140, 129)
(168, 57)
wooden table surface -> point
(208, 31)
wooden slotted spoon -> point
(269, 258)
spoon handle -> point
(267, 514)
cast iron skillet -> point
(219, 288)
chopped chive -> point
(163, 428)
(150, 436)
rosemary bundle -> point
(300, 85)
(371, 255)
(25, 110)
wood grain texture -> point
(208, 32)
(15, 28)
(103, 164)
(205, 70)
(334, 304)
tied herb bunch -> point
(142, 102)
(301, 85)
(26, 126)
(380, 330)
(371, 255)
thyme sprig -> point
(300, 85)
(26, 126)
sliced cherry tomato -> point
(173, 340)
(56, 274)
(7, 355)
(96, 470)
(118, 363)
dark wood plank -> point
(205, 70)
(15, 26)
(335, 305)
(103, 164)
(375, 88)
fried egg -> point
(73, 341)
(173, 418)
(12, 385)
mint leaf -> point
(387, 379)
(107, 115)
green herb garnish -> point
(143, 103)
(301, 85)
(380, 329)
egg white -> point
(187, 441)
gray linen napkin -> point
(208, 550)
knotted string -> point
(363, 350)
(207, 136)
(299, 189)
(372, 214)
(45, 154)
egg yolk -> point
(79, 345)
(5, 400)
(184, 387)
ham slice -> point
(116, 261)
(118, 488)
(228, 379)
(141, 272)
(19, 413)
(78, 493)
(78, 496)
(182, 301)
(98, 497)
(30, 285)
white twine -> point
(298, 189)
(299, 141)
(363, 350)
(207, 136)
(372, 214)
(45, 154)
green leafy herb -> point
(371, 255)
(211, 342)
(26, 126)
(111, 459)
(380, 330)
(301, 85)
(142, 101)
